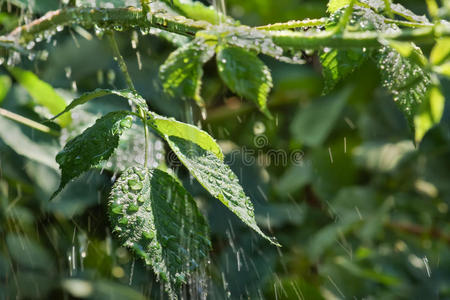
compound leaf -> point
(217, 178)
(245, 74)
(155, 216)
(93, 146)
(170, 127)
(182, 72)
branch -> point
(127, 18)
(107, 18)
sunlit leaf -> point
(182, 72)
(245, 74)
(198, 11)
(93, 146)
(441, 51)
(217, 178)
(430, 112)
(42, 93)
(338, 64)
(156, 217)
(173, 128)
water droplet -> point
(123, 221)
(135, 185)
(126, 123)
(149, 235)
(132, 209)
(117, 209)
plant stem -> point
(120, 61)
(25, 121)
(294, 24)
(345, 18)
(388, 9)
(123, 67)
(128, 18)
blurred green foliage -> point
(363, 214)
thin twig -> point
(25, 121)
(123, 67)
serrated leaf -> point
(156, 217)
(170, 127)
(182, 72)
(93, 146)
(245, 74)
(42, 92)
(405, 80)
(338, 64)
(430, 112)
(86, 97)
(217, 178)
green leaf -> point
(313, 124)
(430, 112)
(441, 51)
(410, 51)
(5, 85)
(127, 94)
(335, 5)
(338, 64)
(93, 146)
(172, 128)
(245, 74)
(130, 151)
(405, 80)
(401, 11)
(182, 72)
(156, 217)
(217, 178)
(198, 11)
(42, 93)
(27, 145)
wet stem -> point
(123, 67)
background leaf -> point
(42, 93)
